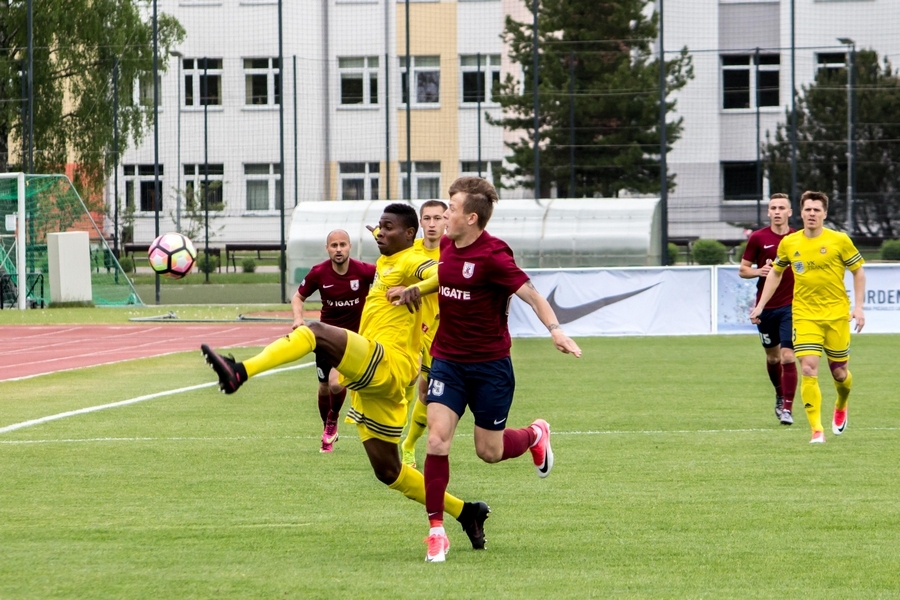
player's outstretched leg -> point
(541, 452)
(231, 373)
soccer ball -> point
(172, 255)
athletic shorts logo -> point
(320, 373)
(468, 270)
(354, 284)
(798, 267)
(436, 388)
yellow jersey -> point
(429, 307)
(819, 264)
(389, 325)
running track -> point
(30, 350)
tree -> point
(822, 145)
(608, 44)
(75, 44)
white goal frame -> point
(21, 278)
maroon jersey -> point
(343, 296)
(476, 283)
(762, 247)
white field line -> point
(90, 409)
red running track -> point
(29, 350)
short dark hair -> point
(480, 197)
(407, 214)
(810, 195)
(432, 204)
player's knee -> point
(489, 455)
(838, 370)
(335, 388)
(772, 360)
(809, 370)
(387, 473)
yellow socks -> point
(417, 423)
(289, 348)
(411, 484)
(843, 391)
(812, 401)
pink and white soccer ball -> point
(172, 255)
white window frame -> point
(750, 68)
(490, 66)
(274, 188)
(216, 174)
(193, 72)
(360, 67)
(368, 172)
(421, 170)
(135, 175)
(271, 72)
(142, 94)
(830, 65)
(490, 170)
(421, 66)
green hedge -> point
(890, 250)
(709, 252)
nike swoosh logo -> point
(573, 313)
(496, 422)
(324, 287)
(769, 246)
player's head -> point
(813, 209)
(471, 205)
(398, 226)
(431, 218)
(779, 209)
(338, 246)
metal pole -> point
(21, 268)
(157, 197)
(205, 196)
(663, 149)
(282, 257)
(116, 160)
(571, 124)
(24, 109)
(479, 88)
(387, 127)
(794, 198)
(409, 92)
(296, 168)
(30, 35)
(851, 141)
(535, 70)
(758, 166)
(178, 167)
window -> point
(479, 87)
(490, 170)
(426, 76)
(263, 183)
(359, 181)
(739, 181)
(740, 86)
(426, 180)
(200, 89)
(139, 184)
(261, 81)
(145, 90)
(831, 62)
(359, 80)
(194, 178)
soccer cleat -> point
(326, 447)
(541, 452)
(779, 404)
(330, 435)
(225, 368)
(818, 437)
(839, 424)
(438, 547)
(786, 418)
(409, 458)
(472, 519)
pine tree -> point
(609, 47)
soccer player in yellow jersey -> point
(431, 218)
(822, 315)
(378, 364)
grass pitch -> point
(672, 479)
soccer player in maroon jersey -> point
(471, 367)
(775, 322)
(343, 284)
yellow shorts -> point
(812, 337)
(377, 377)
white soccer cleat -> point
(839, 423)
(818, 437)
(438, 547)
(541, 453)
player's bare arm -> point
(773, 279)
(748, 271)
(529, 294)
(412, 296)
(859, 297)
(297, 308)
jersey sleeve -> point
(751, 250)
(782, 261)
(853, 260)
(505, 272)
(310, 283)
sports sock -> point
(324, 403)
(812, 401)
(336, 401)
(289, 348)
(789, 383)
(411, 483)
(418, 421)
(843, 390)
(774, 370)
(437, 476)
(516, 442)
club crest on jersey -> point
(354, 284)
(823, 250)
(798, 266)
(468, 270)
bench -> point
(232, 249)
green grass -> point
(672, 479)
(215, 277)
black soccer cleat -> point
(472, 519)
(225, 367)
